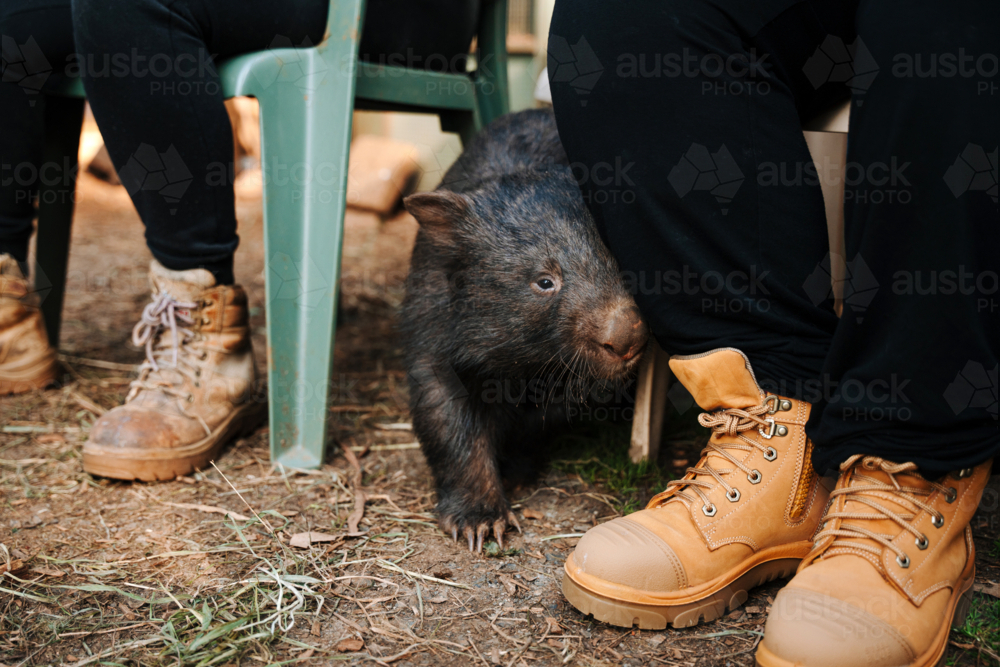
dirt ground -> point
(106, 572)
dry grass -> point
(102, 572)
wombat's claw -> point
(472, 536)
(513, 521)
(454, 533)
(481, 533)
(498, 529)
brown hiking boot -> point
(890, 575)
(743, 516)
(195, 389)
(27, 361)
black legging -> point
(150, 76)
(684, 120)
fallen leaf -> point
(17, 553)
(19, 502)
(303, 540)
(508, 583)
(656, 640)
(70, 658)
(315, 629)
(964, 647)
(533, 514)
(210, 510)
(307, 654)
(440, 599)
(15, 566)
(752, 610)
(990, 589)
(46, 438)
(289, 512)
(49, 572)
(554, 628)
(349, 645)
(443, 574)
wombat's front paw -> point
(474, 520)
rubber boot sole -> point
(38, 375)
(163, 465)
(657, 617)
(958, 609)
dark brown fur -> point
(494, 354)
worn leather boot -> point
(196, 388)
(890, 574)
(27, 361)
(744, 515)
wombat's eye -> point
(546, 284)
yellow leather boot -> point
(744, 515)
(890, 575)
(196, 389)
(27, 361)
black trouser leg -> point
(681, 146)
(714, 214)
(37, 37)
(913, 375)
(151, 80)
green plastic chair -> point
(306, 98)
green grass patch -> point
(982, 626)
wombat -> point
(514, 310)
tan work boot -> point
(890, 575)
(27, 361)
(745, 515)
(195, 389)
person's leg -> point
(150, 74)
(910, 414)
(37, 37)
(153, 85)
(914, 376)
(683, 122)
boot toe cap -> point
(128, 428)
(625, 553)
(805, 627)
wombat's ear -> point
(438, 211)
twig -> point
(97, 363)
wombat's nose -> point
(624, 334)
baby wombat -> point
(514, 311)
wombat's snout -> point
(624, 333)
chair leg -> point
(56, 198)
(650, 403)
(304, 151)
(463, 123)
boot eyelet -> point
(771, 430)
(922, 542)
(937, 521)
(782, 430)
(952, 495)
(708, 510)
(754, 477)
(785, 405)
(770, 454)
(767, 401)
(903, 562)
(733, 495)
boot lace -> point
(732, 422)
(868, 490)
(167, 314)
